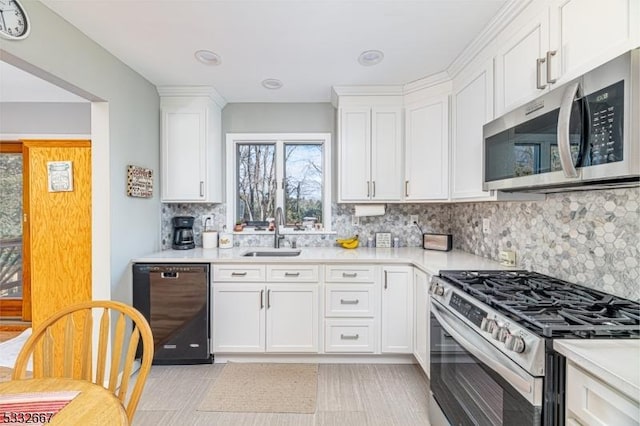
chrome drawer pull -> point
(292, 274)
(349, 275)
(238, 274)
(349, 336)
(349, 302)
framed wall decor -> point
(383, 239)
(139, 182)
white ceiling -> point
(311, 45)
(17, 85)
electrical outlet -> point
(204, 220)
(355, 220)
(486, 225)
(507, 257)
(413, 218)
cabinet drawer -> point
(350, 336)
(350, 300)
(295, 273)
(350, 273)
(239, 273)
(591, 401)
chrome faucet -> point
(279, 221)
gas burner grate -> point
(550, 306)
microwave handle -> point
(564, 120)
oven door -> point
(475, 384)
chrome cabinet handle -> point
(262, 298)
(385, 280)
(349, 302)
(349, 274)
(368, 189)
(564, 119)
(349, 336)
(238, 274)
(406, 188)
(550, 54)
(374, 189)
(202, 188)
(292, 274)
(268, 298)
(539, 63)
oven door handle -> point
(564, 121)
(490, 356)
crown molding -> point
(499, 22)
(207, 91)
(426, 82)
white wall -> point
(58, 52)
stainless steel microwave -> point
(582, 135)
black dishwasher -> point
(174, 298)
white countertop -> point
(428, 260)
(616, 362)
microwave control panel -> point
(605, 109)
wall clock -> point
(14, 23)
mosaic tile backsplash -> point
(591, 238)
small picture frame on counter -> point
(383, 239)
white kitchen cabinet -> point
(551, 45)
(191, 149)
(370, 150)
(472, 107)
(592, 402)
(427, 150)
(397, 309)
(422, 312)
(265, 308)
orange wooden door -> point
(57, 227)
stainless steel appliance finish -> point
(174, 298)
(492, 361)
(582, 135)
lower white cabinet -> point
(264, 317)
(421, 324)
(353, 335)
(397, 309)
(590, 401)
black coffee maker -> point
(183, 233)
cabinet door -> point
(183, 153)
(355, 154)
(238, 317)
(292, 318)
(472, 108)
(397, 309)
(386, 154)
(587, 33)
(427, 151)
(422, 311)
(519, 76)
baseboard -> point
(319, 359)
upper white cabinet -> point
(191, 148)
(472, 107)
(551, 45)
(426, 145)
(370, 151)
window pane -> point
(11, 225)
(256, 195)
(303, 183)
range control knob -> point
(488, 325)
(500, 333)
(515, 343)
(439, 290)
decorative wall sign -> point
(139, 182)
(60, 176)
(383, 239)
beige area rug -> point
(264, 388)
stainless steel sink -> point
(271, 253)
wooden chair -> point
(62, 347)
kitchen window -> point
(267, 171)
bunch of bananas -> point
(348, 243)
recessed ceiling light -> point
(271, 83)
(370, 57)
(208, 57)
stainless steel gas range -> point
(492, 332)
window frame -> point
(279, 139)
